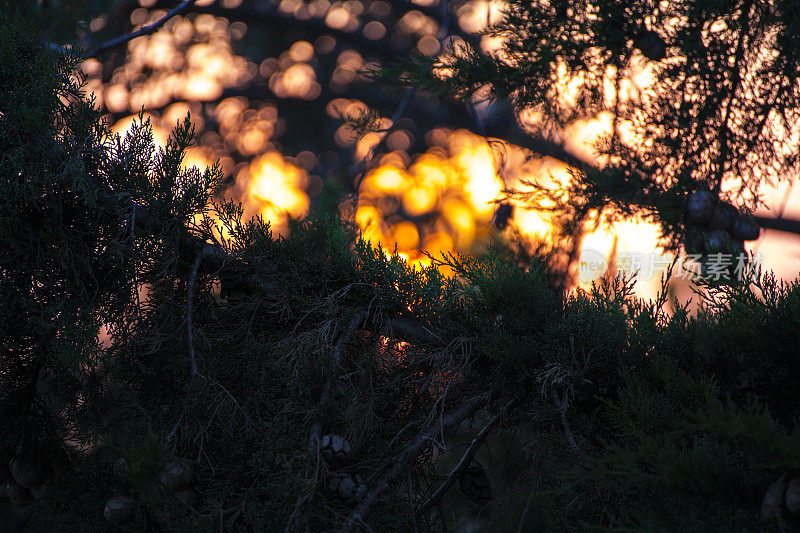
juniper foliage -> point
(617, 413)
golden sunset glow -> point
(273, 188)
(438, 201)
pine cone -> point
(792, 496)
(232, 290)
(502, 215)
(716, 241)
(187, 496)
(360, 492)
(19, 495)
(119, 509)
(475, 485)
(350, 488)
(38, 490)
(773, 500)
(693, 240)
(722, 216)
(178, 474)
(701, 206)
(744, 228)
(334, 482)
(122, 469)
(334, 448)
(27, 470)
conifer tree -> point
(717, 121)
(326, 385)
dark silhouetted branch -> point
(145, 30)
(779, 224)
(561, 405)
(466, 459)
(189, 310)
(536, 466)
(267, 14)
(440, 15)
(545, 147)
(401, 461)
(315, 433)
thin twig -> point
(779, 224)
(413, 422)
(407, 326)
(411, 503)
(736, 79)
(175, 427)
(190, 339)
(529, 499)
(338, 354)
(786, 195)
(189, 309)
(478, 120)
(214, 256)
(315, 433)
(401, 107)
(565, 423)
(442, 15)
(466, 459)
(145, 30)
(373, 152)
(399, 462)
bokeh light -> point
(272, 111)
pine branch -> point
(536, 465)
(402, 106)
(787, 225)
(736, 79)
(466, 459)
(267, 14)
(376, 148)
(190, 339)
(547, 148)
(401, 461)
(440, 15)
(189, 306)
(315, 433)
(338, 354)
(213, 257)
(145, 30)
(407, 326)
(561, 405)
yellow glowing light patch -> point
(406, 236)
(275, 189)
(387, 179)
(483, 185)
(462, 220)
(419, 200)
